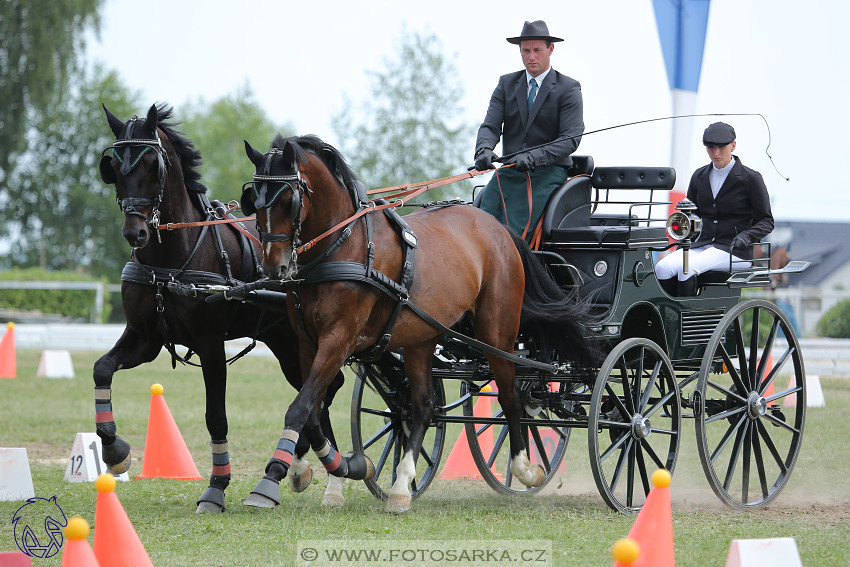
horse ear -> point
(288, 156)
(152, 119)
(115, 123)
(106, 171)
(255, 156)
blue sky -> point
(785, 59)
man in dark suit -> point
(734, 206)
(535, 107)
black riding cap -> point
(718, 134)
(534, 30)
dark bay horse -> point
(155, 172)
(357, 288)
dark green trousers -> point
(511, 185)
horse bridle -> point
(129, 205)
(261, 200)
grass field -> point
(44, 416)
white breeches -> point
(700, 260)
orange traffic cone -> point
(166, 454)
(768, 367)
(8, 362)
(652, 531)
(77, 551)
(115, 539)
(460, 463)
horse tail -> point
(560, 318)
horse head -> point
(276, 196)
(137, 164)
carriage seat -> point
(609, 229)
(582, 165)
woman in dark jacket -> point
(734, 206)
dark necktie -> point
(531, 94)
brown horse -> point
(357, 288)
(155, 173)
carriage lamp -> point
(684, 223)
(600, 268)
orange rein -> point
(398, 199)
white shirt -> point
(716, 177)
(539, 78)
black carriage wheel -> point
(490, 446)
(379, 431)
(749, 416)
(634, 422)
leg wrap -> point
(104, 422)
(285, 450)
(220, 458)
(332, 460)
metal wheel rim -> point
(548, 449)
(382, 446)
(747, 452)
(616, 443)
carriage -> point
(712, 358)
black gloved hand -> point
(740, 242)
(484, 160)
(524, 162)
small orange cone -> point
(77, 552)
(8, 362)
(460, 463)
(652, 531)
(115, 539)
(768, 367)
(166, 454)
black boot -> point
(669, 286)
(688, 287)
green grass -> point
(44, 415)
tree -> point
(835, 323)
(55, 209)
(39, 44)
(410, 130)
(218, 130)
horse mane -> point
(187, 153)
(329, 155)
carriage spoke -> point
(736, 453)
(775, 371)
(754, 345)
(759, 463)
(621, 461)
(776, 421)
(771, 446)
(737, 373)
(381, 432)
(652, 454)
(725, 414)
(644, 399)
(642, 468)
(766, 351)
(614, 446)
(636, 379)
(745, 477)
(624, 411)
(630, 476)
(659, 404)
(627, 389)
(541, 450)
(486, 426)
(733, 428)
(398, 453)
(497, 446)
(385, 453)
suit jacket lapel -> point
(732, 178)
(521, 96)
(542, 93)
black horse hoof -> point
(212, 500)
(116, 455)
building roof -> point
(825, 244)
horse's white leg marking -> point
(300, 475)
(333, 493)
(526, 473)
(399, 497)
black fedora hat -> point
(534, 30)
